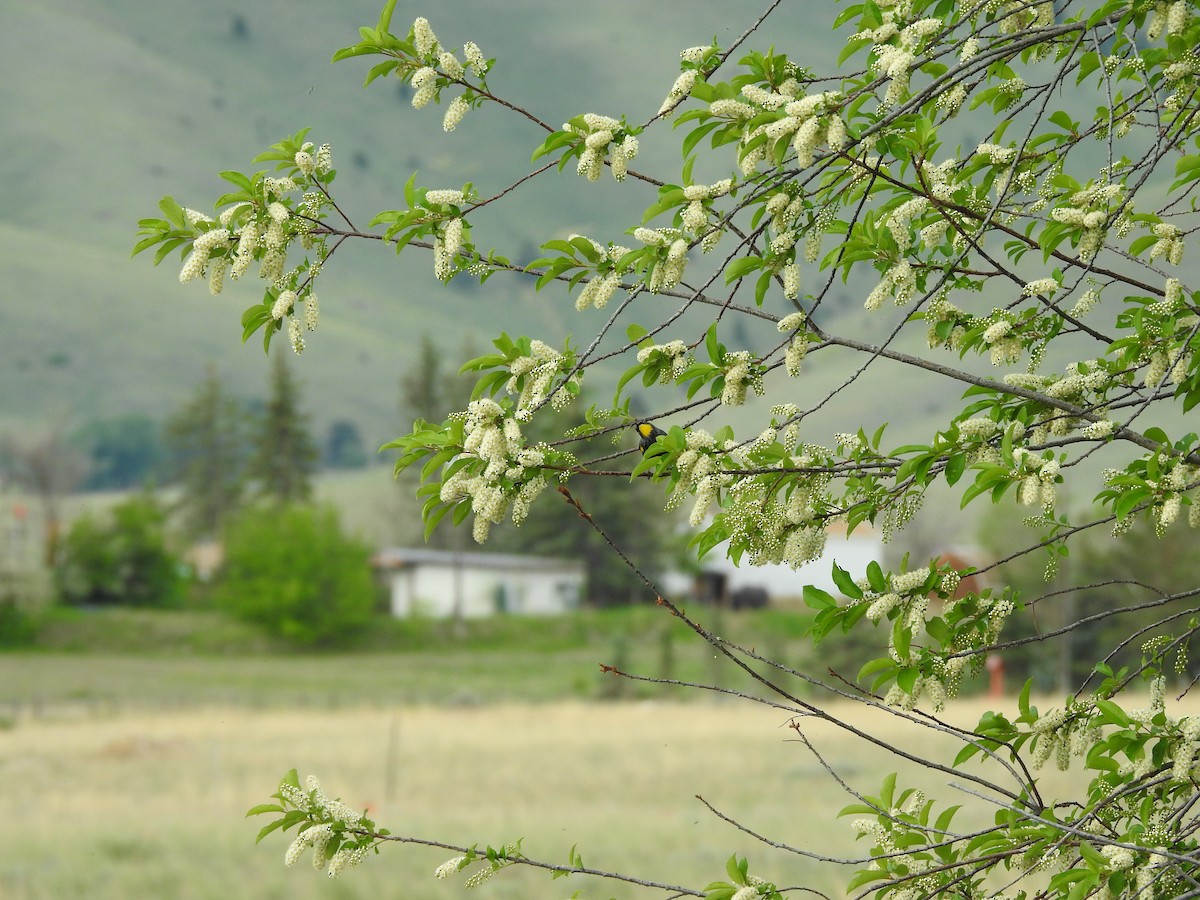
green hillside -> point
(109, 105)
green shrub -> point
(122, 558)
(291, 569)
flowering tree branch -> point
(1051, 251)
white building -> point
(853, 552)
(439, 583)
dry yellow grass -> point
(151, 805)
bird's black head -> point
(647, 434)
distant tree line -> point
(244, 473)
(131, 450)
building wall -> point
(852, 553)
(431, 589)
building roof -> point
(410, 557)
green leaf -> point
(625, 378)
(173, 211)
(965, 754)
(882, 664)
(815, 598)
(845, 583)
(740, 268)
(1113, 714)
(715, 351)
(385, 17)
(866, 876)
(264, 808)
(239, 179)
(955, 466)
(267, 829)
(875, 577)
(736, 872)
(166, 249)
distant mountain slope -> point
(109, 105)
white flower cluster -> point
(1023, 15)
(894, 63)
(978, 429)
(740, 374)
(446, 244)
(899, 282)
(668, 271)
(1089, 210)
(318, 836)
(1063, 734)
(1086, 303)
(695, 214)
(197, 262)
(1039, 477)
(534, 374)
(679, 91)
(732, 109)
(449, 867)
(1171, 17)
(456, 864)
(673, 353)
(231, 249)
(1169, 244)
(797, 349)
(774, 530)
(496, 440)
(697, 473)
(1098, 430)
(997, 155)
(455, 113)
(750, 890)
(445, 197)
(1167, 366)
(475, 58)
(941, 310)
(433, 57)
(1186, 748)
(1041, 286)
(895, 60)
(790, 274)
(784, 208)
(424, 82)
(599, 135)
(807, 122)
(899, 223)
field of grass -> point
(148, 659)
(150, 804)
(127, 770)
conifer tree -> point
(207, 440)
(285, 455)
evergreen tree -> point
(123, 452)
(207, 440)
(427, 391)
(285, 456)
(344, 446)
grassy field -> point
(127, 772)
(166, 659)
(150, 804)
(132, 742)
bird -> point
(648, 433)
